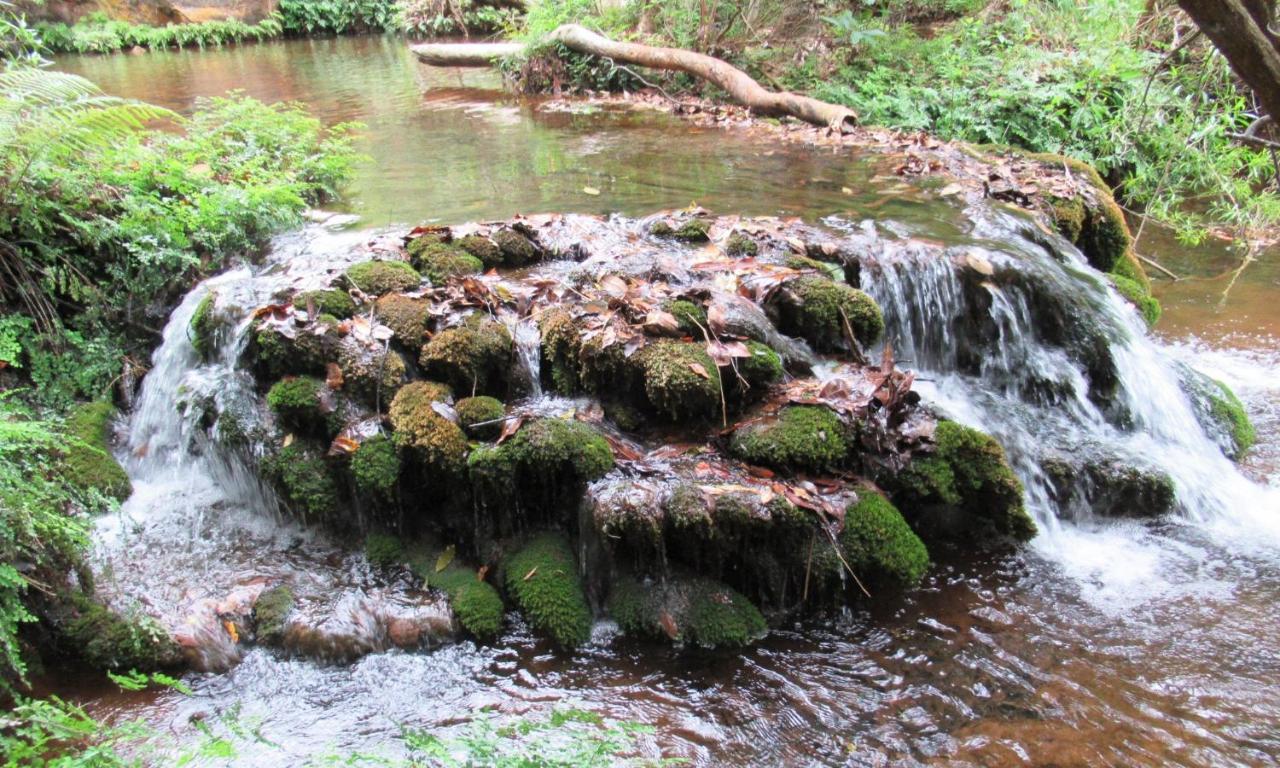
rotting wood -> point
(738, 84)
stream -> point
(1103, 642)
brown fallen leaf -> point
(343, 445)
(530, 574)
(698, 369)
(333, 376)
(509, 428)
(231, 631)
(669, 625)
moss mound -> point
(739, 245)
(332, 302)
(475, 358)
(693, 230)
(271, 614)
(303, 477)
(484, 249)
(542, 579)
(375, 467)
(695, 610)
(561, 349)
(298, 403)
(755, 373)
(419, 428)
(547, 460)
(802, 437)
(879, 545)
(383, 549)
(1227, 410)
(823, 268)
(441, 261)
(109, 640)
(969, 471)
(373, 373)
(275, 355)
(87, 462)
(1138, 296)
(517, 250)
(206, 323)
(480, 417)
(378, 277)
(681, 380)
(475, 603)
(691, 317)
(407, 317)
(817, 308)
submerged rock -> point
(693, 610)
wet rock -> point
(303, 404)
(798, 438)
(475, 603)
(335, 303)
(692, 610)
(517, 250)
(375, 278)
(304, 479)
(420, 429)
(371, 371)
(824, 312)
(440, 261)
(1219, 411)
(87, 463)
(474, 358)
(107, 639)
(208, 324)
(542, 579)
(1089, 484)
(481, 417)
(271, 614)
(484, 249)
(406, 316)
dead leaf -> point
(343, 445)
(333, 376)
(716, 318)
(445, 558)
(590, 191)
(480, 574)
(669, 625)
(614, 286)
(231, 631)
(698, 369)
(658, 321)
(509, 428)
(288, 441)
(846, 190)
(530, 574)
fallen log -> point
(738, 84)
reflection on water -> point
(1153, 643)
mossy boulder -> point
(878, 544)
(750, 377)
(1227, 410)
(302, 404)
(693, 610)
(967, 472)
(440, 261)
(105, 639)
(542, 579)
(1139, 297)
(206, 324)
(420, 429)
(547, 462)
(517, 250)
(378, 277)
(371, 372)
(87, 462)
(692, 230)
(384, 549)
(271, 614)
(474, 358)
(337, 304)
(824, 312)
(561, 351)
(303, 477)
(480, 417)
(691, 317)
(484, 249)
(823, 268)
(406, 316)
(740, 245)
(801, 437)
(375, 468)
(681, 381)
(303, 351)
(475, 603)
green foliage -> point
(803, 437)
(88, 463)
(98, 34)
(304, 479)
(310, 17)
(383, 549)
(542, 578)
(437, 18)
(852, 30)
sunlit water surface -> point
(1114, 644)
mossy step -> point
(542, 579)
(87, 462)
(475, 602)
(686, 609)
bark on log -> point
(738, 84)
(1249, 47)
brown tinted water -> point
(1122, 644)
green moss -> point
(298, 403)
(826, 269)
(544, 459)
(378, 277)
(438, 442)
(441, 261)
(383, 549)
(561, 351)
(303, 477)
(484, 249)
(205, 324)
(817, 309)
(1140, 297)
(87, 463)
(542, 578)
(475, 603)
(372, 373)
(879, 545)
(692, 610)
(406, 316)
(982, 479)
(271, 614)
(802, 437)
(517, 250)
(275, 355)
(109, 640)
(692, 317)
(762, 368)
(681, 380)
(480, 417)
(1068, 215)
(929, 479)
(335, 303)
(375, 467)
(475, 358)
(739, 245)
(1097, 226)
(693, 231)
(661, 229)
(1226, 409)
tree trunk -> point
(1240, 29)
(735, 82)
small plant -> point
(853, 29)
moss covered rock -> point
(271, 614)
(1139, 297)
(740, 245)
(823, 268)
(1227, 410)
(692, 610)
(378, 277)
(383, 549)
(474, 358)
(561, 351)
(332, 302)
(475, 603)
(406, 316)
(301, 404)
(817, 309)
(371, 372)
(517, 250)
(484, 249)
(542, 579)
(879, 545)
(681, 380)
(802, 437)
(692, 230)
(440, 261)
(751, 376)
(87, 462)
(691, 317)
(206, 325)
(436, 441)
(375, 468)
(106, 639)
(969, 472)
(304, 480)
(481, 417)
(547, 460)
(303, 352)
